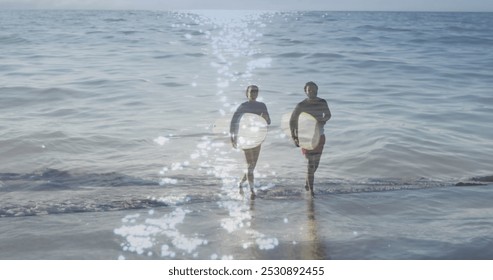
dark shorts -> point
(318, 150)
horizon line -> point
(230, 9)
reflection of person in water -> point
(251, 155)
(318, 108)
(316, 248)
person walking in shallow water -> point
(318, 108)
(252, 154)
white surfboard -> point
(252, 131)
(308, 130)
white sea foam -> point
(161, 140)
(163, 170)
(168, 181)
(175, 199)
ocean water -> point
(112, 142)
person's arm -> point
(265, 114)
(234, 126)
(293, 124)
(326, 115)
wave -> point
(195, 54)
(164, 56)
(61, 192)
(23, 96)
(353, 39)
(173, 84)
(292, 55)
(464, 40)
(114, 20)
(69, 207)
(326, 55)
(13, 39)
(55, 191)
(485, 179)
(285, 42)
(462, 29)
(382, 28)
(58, 178)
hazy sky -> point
(338, 5)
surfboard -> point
(252, 131)
(308, 130)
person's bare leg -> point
(243, 179)
(313, 162)
(252, 157)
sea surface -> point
(114, 144)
